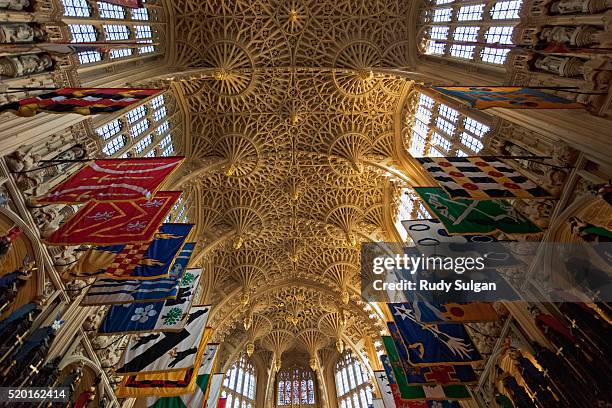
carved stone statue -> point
(50, 227)
(16, 5)
(580, 36)
(23, 65)
(579, 6)
(12, 33)
(537, 211)
(22, 159)
(562, 66)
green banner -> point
(462, 216)
(419, 392)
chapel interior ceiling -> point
(291, 132)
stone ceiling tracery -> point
(291, 144)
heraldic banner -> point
(166, 351)
(463, 216)
(116, 222)
(481, 178)
(436, 374)
(512, 97)
(84, 101)
(447, 343)
(113, 180)
(161, 392)
(450, 312)
(404, 393)
(107, 291)
(168, 315)
(174, 386)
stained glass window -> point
(296, 387)
(76, 8)
(94, 27)
(108, 10)
(439, 130)
(356, 392)
(146, 130)
(480, 31)
(240, 383)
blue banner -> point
(433, 344)
(168, 315)
(109, 291)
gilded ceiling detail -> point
(291, 138)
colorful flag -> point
(136, 261)
(418, 375)
(203, 386)
(169, 315)
(114, 180)
(170, 351)
(512, 97)
(481, 178)
(112, 223)
(427, 312)
(434, 344)
(170, 389)
(214, 390)
(111, 291)
(221, 403)
(461, 216)
(96, 261)
(432, 239)
(386, 393)
(406, 395)
(84, 101)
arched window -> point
(439, 130)
(145, 131)
(479, 31)
(240, 384)
(83, 18)
(433, 128)
(352, 383)
(295, 387)
(410, 208)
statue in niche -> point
(580, 36)
(579, 6)
(17, 5)
(562, 66)
(63, 161)
(569, 7)
(12, 33)
(23, 65)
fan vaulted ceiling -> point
(291, 137)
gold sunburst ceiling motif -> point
(291, 107)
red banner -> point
(126, 3)
(114, 180)
(110, 223)
(84, 101)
